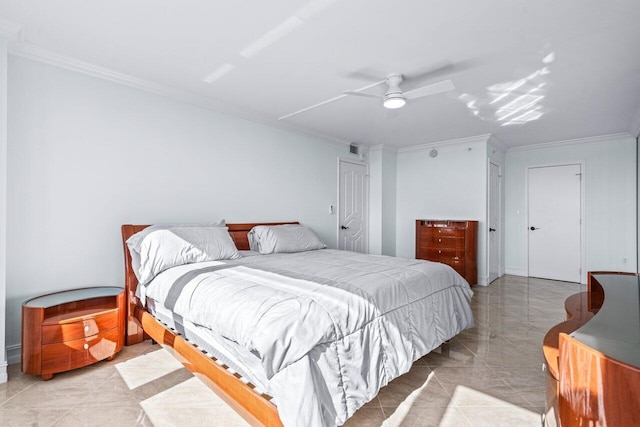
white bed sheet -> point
(328, 327)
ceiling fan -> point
(393, 98)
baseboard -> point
(516, 271)
(14, 353)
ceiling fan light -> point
(393, 102)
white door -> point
(353, 206)
(494, 222)
(555, 208)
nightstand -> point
(70, 329)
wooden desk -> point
(593, 359)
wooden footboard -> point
(256, 408)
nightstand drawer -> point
(75, 353)
(80, 329)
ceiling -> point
(525, 72)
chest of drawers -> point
(71, 329)
(450, 242)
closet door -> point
(554, 229)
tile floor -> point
(487, 376)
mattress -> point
(320, 331)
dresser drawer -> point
(76, 353)
(428, 232)
(437, 254)
(446, 257)
(82, 328)
(458, 265)
(442, 242)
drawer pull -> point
(439, 252)
(86, 328)
(86, 346)
(439, 240)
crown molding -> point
(577, 141)
(36, 53)
(382, 147)
(11, 30)
(459, 141)
(498, 144)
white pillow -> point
(134, 241)
(164, 247)
(284, 238)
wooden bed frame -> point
(256, 408)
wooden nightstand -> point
(70, 329)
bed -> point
(296, 338)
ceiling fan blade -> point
(364, 74)
(442, 69)
(319, 104)
(367, 95)
(433, 89)
(431, 72)
(335, 98)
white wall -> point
(86, 155)
(452, 185)
(382, 201)
(610, 202)
(375, 200)
(389, 201)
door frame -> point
(583, 257)
(500, 221)
(366, 202)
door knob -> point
(533, 228)
(343, 227)
(492, 229)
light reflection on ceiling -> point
(286, 27)
(514, 102)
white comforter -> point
(329, 327)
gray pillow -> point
(270, 239)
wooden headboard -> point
(134, 332)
